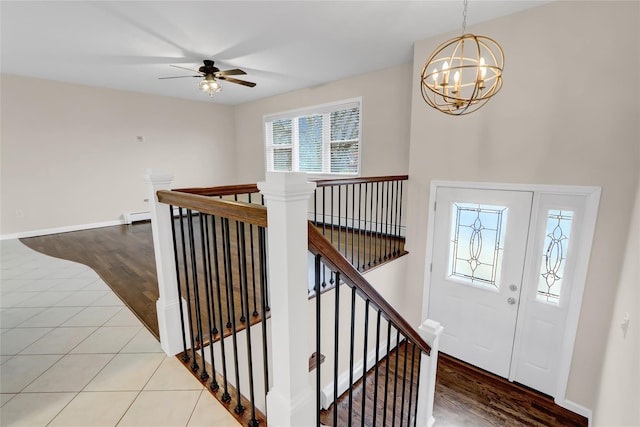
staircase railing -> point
(221, 274)
(214, 308)
(362, 217)
(370, 382)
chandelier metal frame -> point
(466, 72)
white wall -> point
(386, 102)
(618, 402)
(70, 155)
(567, 114)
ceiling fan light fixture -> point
(210, 85)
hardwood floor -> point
(122, 256)
(465, 396)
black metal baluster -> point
(404, 377)
(332, 214)
(253, 422)
(346, 222)
(359, 222)
(351, 349)
(375, 243)
(370, 257)
(377, 364)
(364, 361)
(226, 397)
(339, 214)
(324, 217)
(185, 355)
(226, 253)
(210, 229)
(263, 290)
(253, 273)
(396, 243)
(395, 379)
(241, 281)
(400, 216)
(318, 330)
(413, 365)
(196, 292)
(253, 269)
(353, 223)
(383, 210)
(234, 337)
(315, 207)
(389, 220)
(185, 266)
(206, 269)
(381, 220)
(386, 376)
(415, 410)
(210, 296)
(335, 350)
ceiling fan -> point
(210, 75)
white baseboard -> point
(576, 408)
(57, 230)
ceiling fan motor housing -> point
(208, 67)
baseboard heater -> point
(131, 217)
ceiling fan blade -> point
(184, 68)
(240, 82)
(234, 72)
(176, 77)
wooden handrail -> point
(238, 211)
(359, 180)
(319, 245)
(230, 190)
(225, 190)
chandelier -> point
(463, 73)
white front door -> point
(480, 241)
(507, 274)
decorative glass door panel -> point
(477, 243)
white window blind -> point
(323, 139)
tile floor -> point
(73, 355)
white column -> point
(168, 304)
(291, 400)
(430, 331)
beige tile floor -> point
(73, 355)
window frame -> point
(324, 110)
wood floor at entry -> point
(123, 256)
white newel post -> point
(291, 400)
(168, 304)
(430, 331)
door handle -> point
(513, 288)
(511, 300)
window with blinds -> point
(323, 139)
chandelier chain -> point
(464, 18)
